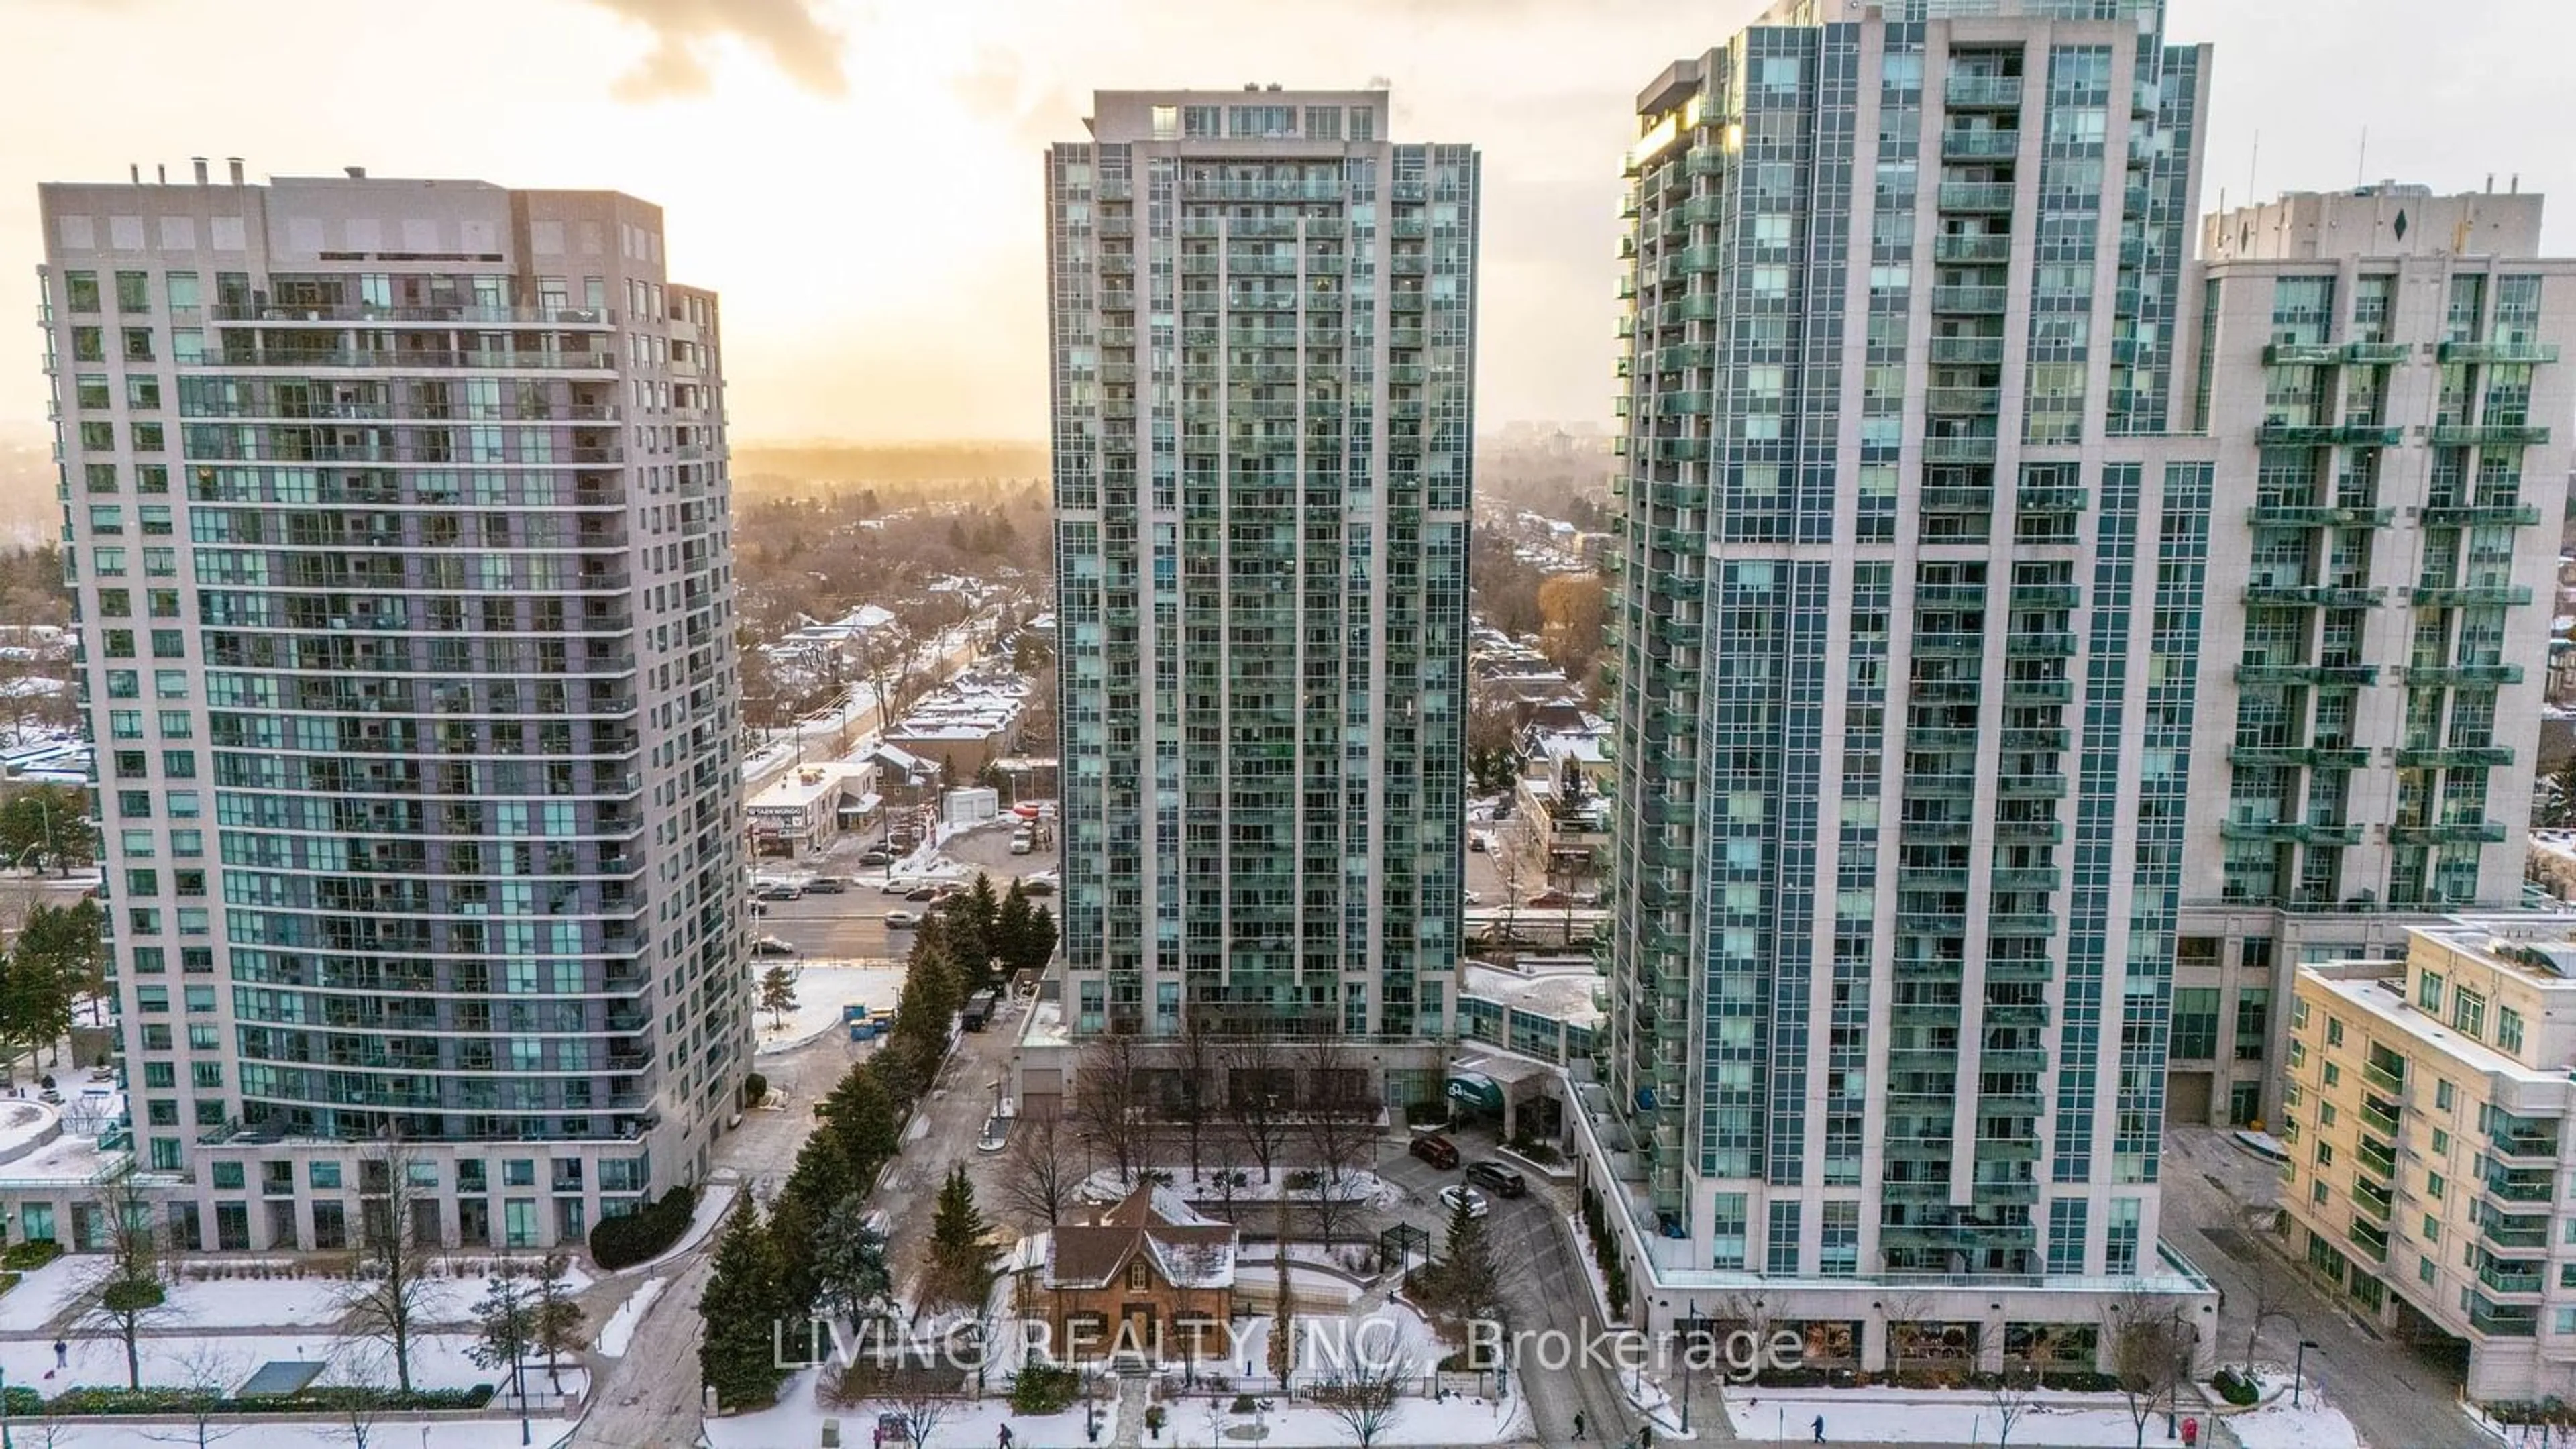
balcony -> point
(2314, 435)
(2490, 435)
(2509, 515)
(1970, 301)
(2458, 832)
(1982, 92)
(2288, 832)
(2324, 596)
(1983, 401)
(2519, 1184)
(2503, 1321)
(2302, 354)
(2293, 515)
(2371, 1199)
(2376, 354)
(1968, 351)
(1959, 450)
(2477, 757)
(1973, 248)
(2387, 1078)
(2052, 500)
(2333, 676)
(2298, 757)
(2472, 596)
(1970, 145)
(2480, 675)
(2506, 1275)
(2484, 353)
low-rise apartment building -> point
(2427, 1121)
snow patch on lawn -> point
(821, 993)
(43, 1293)
(2314, 1424)
(2068, 1421)
(621, 1325)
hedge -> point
(92, 1401)
(1044, 1389)
(637, 1237)
(2234, 1387)
(32, 1254)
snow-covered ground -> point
(256, 1303)
(620, 1328)
(821, 992)
(1460, 1419)
(1873, 1416)
(713, 1203)
(466, 1434)
(42, 1294)
(798, 1420)
(1207, 1185)
(438, 1361)
(2315, 1424)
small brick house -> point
(1148, 1276)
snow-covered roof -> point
(1187, 1248)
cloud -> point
(1032, 111)
(794, 38)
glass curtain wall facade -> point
(396, 512)
(1908, 619)
(1262, 331)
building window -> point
(2508, 1029)
(2253, 1022)
(2334, 1031)
(1136, 1276)
(2434, 1186)
(2195, 1022)
(2468, 1012)
(227, 1175)
(2428, 991)
(80, 291)
(2441, 1096)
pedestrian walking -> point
(62, 1354)
(1578, 1423)
(1820, 1428)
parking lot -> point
(850, 924)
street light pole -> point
(2299, 1368)
(1691, 1308)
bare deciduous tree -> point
(1109, 1105)
(129, 1292)
(1041, 1171)
(1366, 1396)
(2151, 1351)
(1259, 1093)
(2013, 1395)
(1339, 1129)
(387, 1300)
(207, 1374)
(1195, 1103)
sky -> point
(861, 178)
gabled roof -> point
(1187, 1248)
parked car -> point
(1503, 1180)
(827, 885)
(901, 920)
(1475, 898)
(1475, 840)
(771, 946)
(1038, 885)
(1439, 1151)
(779, 891)
(1456, 1193)
(1021, 845)
(1552, 900)
(922, 893)
(876, 857)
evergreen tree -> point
(778, 995)
(961, 1262)
(850, 1261)
(1467, 1282)
(861, 1120)
(792, 1224)
(1012, 923)
(737, 1355)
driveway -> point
(2219, 1200)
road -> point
(1547, 1288)
(815, 734)
(850, 924)
(2216, 1194)
(650, 1397)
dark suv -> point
(1440, 1152)
(1502, 1180)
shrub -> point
(636, 1237)
(1304, 1179)
(2234, 1387)
(1243, 1404)
(755, 1090)
(1044, 1388)
(2080, 1381)
(31, 1255)
(95, 1401)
